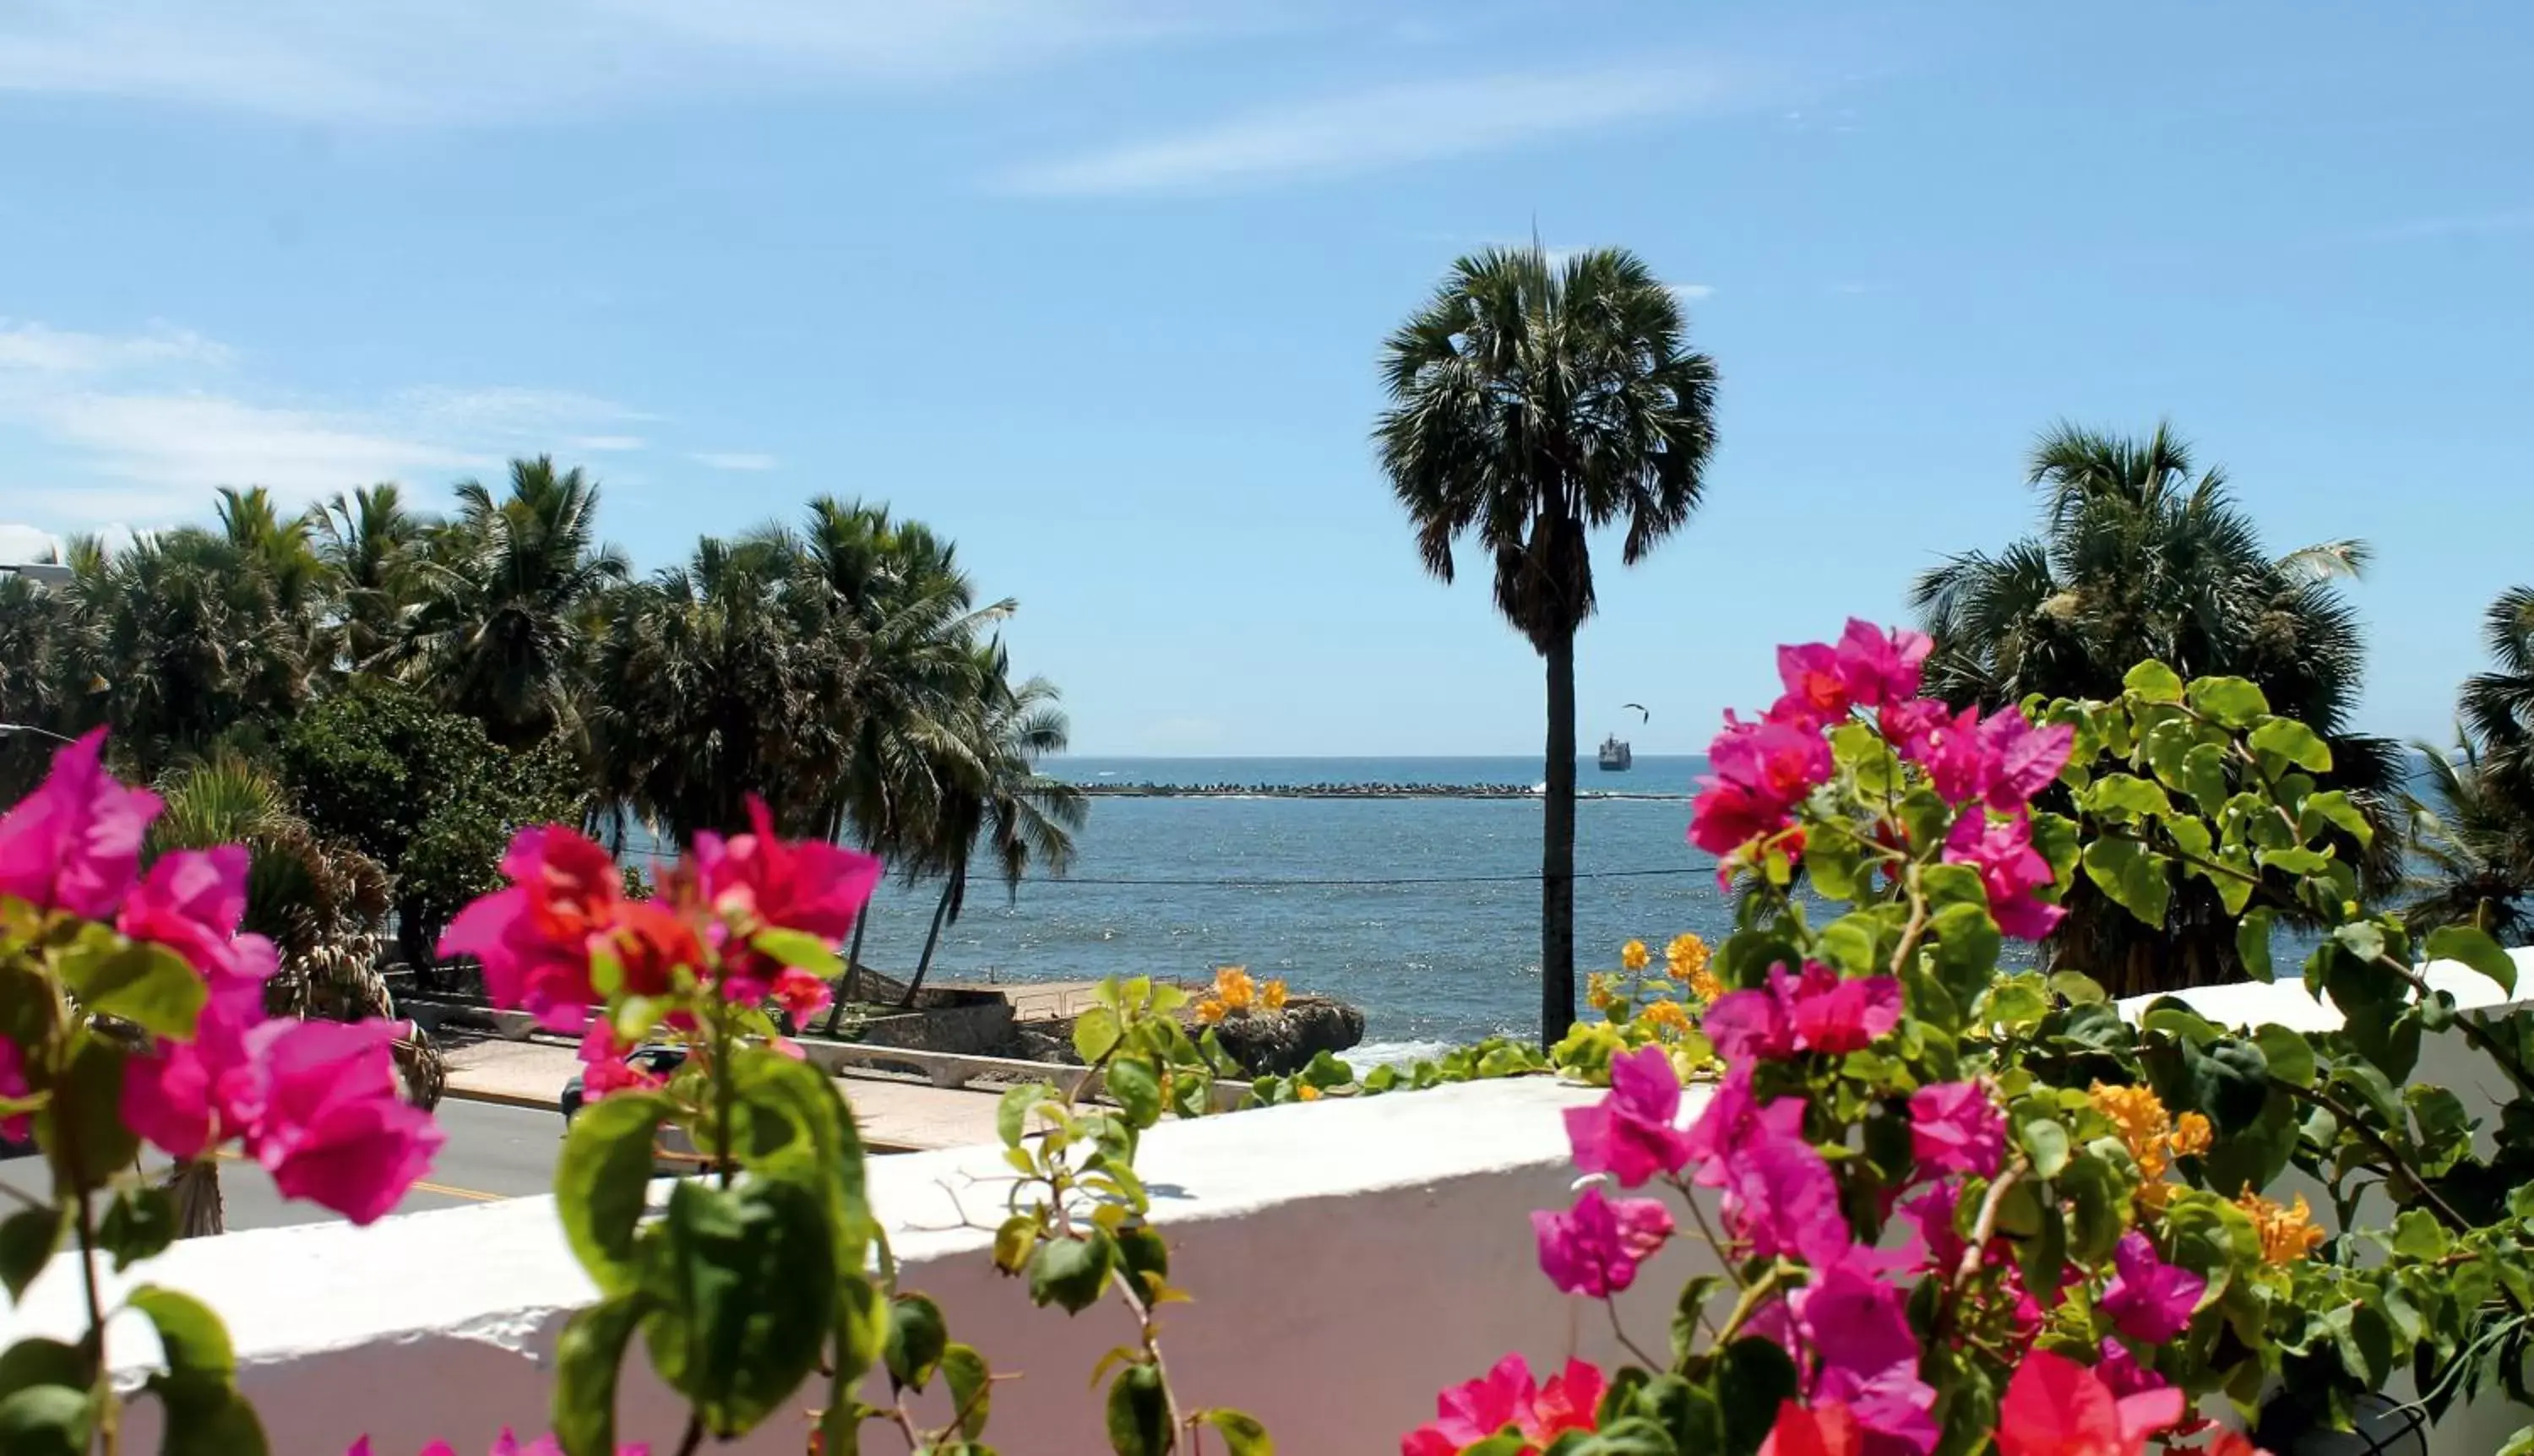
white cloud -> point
(139, 428)
(734, 460)
(477, 61)
(1388, 126)
(1690, 292)
(26, 543)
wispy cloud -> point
(475, 61)
(734, 460)
(2464, 224)
(1690, 292)
(1392, 126)
(137, 428)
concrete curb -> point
(501, 1099)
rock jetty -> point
(1339, 791)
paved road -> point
(493, 1151)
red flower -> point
(535, 937)
(800, 886)
(650, 943)
(1824, 1429)
(2056, 1407)
(1503, 1399)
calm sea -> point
(1423, 912)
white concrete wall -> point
(1349, 1258)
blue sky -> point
(1097, 287)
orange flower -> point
(1234, 988)
(2191, 1135)
(1307, 1092)
(1703, 985)
(1665, 1015)
(2139, 1115)
(1209, 1010)
(1271, 996)
(1686, 958)
(1633, 955)
(1602, 993)
(2288, 1232)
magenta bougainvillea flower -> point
(535, 937)
(2149, 1300)
(1733, 1119)
(1857, 1327)
(2020, 760)
(1781, 1197)
(804, 886)
(2009, 868)
(190, 902)
(1881, 667)
(13, 1083)
(332, 1128)
(1957, 1127)
(1817, 1012)
(1633, 1132)
(1506, 1398)
(2056, 1407)
(1762, 771)
(75, 843)
(1595, 1248)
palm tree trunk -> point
(1557, 849)
(852, 985)
(199, 1210)
(933, 937)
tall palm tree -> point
(371, 542)
(1532, 404)
(2140, 556)
(992, 795)
(2472, 834)
(504, 636)
(2498, 705)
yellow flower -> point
(1234, 988)
(2191, 1135)
(1271, 996)
(2140, 1117)
(1686, 958)
(1665, 1015)
(1633, 955)
(1307, 1093)
(1209, 1010)
(1602, 993)
(2287, 1234)
(1703, 985)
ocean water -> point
(1423, 912)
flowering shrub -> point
(1957, 1206)
(1234, 994)
(131, 1010)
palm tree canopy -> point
(1534, 401)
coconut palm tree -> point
(2141, 555)
(372, 542)
(2472, 832)
(992, 795)
(513, 602)
(2499, 704)
(1534, 402)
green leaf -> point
(861, 1329)
(205, 1414)
(588, 1355)
(971, 1383)
(1688, 1311)
(139, 1224)
(1012, 1113)
(2047, 1142)
(2288, 739)
(2204, 777)
(2293, 860)
(2417, 1234)
(2473, 948)
(1241, 1433)
(1071, 1272)
(2360, 939)
(2153, 681)
(2332, 806)
(1688, 1414)
(1139, 1413)
(1142, 1253)
(2077, 987)
(800, 950)
(1095, 1032)
(190, 1336)
(37, 1360)
(81, 1128)
(2232, 702)
(2230, 1082)
(2286, 1055)
(1753, 1377)
(603, 1182)
(44, 1420)
(1131, 1081)
(746, 1277)
(2252, 943)
(144, 984)
(790, 1122)
(27, 1238)
(1013, 1242)
(916, 1337)
(2122, 798)
(2132, 875)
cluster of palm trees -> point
(1536, 400)
(845, 669)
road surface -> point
(493, 1151)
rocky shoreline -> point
(1338, 791)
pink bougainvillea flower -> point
(1732, 1120)
(190, 902)
(1880, 668)
(2056, 1407)
(1932, 1213)
(1593, 1249)
(1781, 1197)
(13, 1083)
(2149, 1300)
(1763, 770)
(331, 1127)
(605, 1070)
(1817, 687)
(75, 843)
(2011, 869)
(1823, 1429)
(535, 937)
(800, 993)
(1633, 1132)
(1857, 1325)
(186, 1097)
(1817, 1012)
(650, 942)
(1724, 818)
(803, 885)
(505, 1444)
(2020, 760)
(2121, 1372)
(1505, 1399)
(1956, 1128)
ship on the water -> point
(1615, 755)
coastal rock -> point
(1286, 1041)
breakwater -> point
(1340, 791)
